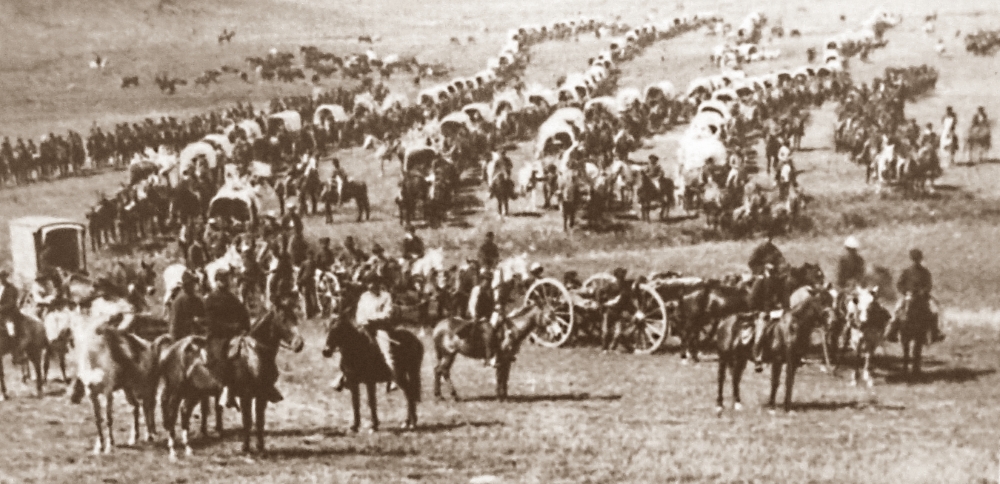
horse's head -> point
(864, 308)
(338, 334)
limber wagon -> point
(576, 315)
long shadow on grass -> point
(289, 453)
(558, 397)
(945, 375)
(434, 428)
(845, 405)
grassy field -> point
(577, 415)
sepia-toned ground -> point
(576, 415)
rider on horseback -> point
(482, 307)
(11, 316)
(374, 317)
(226, 318)
(915, 284)
(413, 248)
(765, 292)
(850, 274)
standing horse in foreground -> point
(866, 320)
(361, 362)
(254, 370)
(454, 336)
(787, 341)
(36, 348)
(110, 358)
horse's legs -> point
(447, 376)
(133, 436)
(260, 406)
(370, 389)
(866, 373)
(503, 376)
(109, 412)
(356, 406)
(918, 350)
(204, 416)
(36, 361)
(44, 375)
(186, 424)
(775, 380)
(62, 366)
(789, 382)
(218, 414)
(95, 402)
(246, 407)
(723, 362)
(168, 406)
(906, 353)
(739, 364)
(3, 382)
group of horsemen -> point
(914, 285)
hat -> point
(916, 254)
(377, 249)
(489, 235)
(535, 267)
(784, 153)
(653, 158)
(852, 243)
(619, 272)
(4, 273)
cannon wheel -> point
(552, 296)
(650, 322)
(598, 281)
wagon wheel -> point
(555, 300)
(599, 282)
(651, 327)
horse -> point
(914, 320)
(787, 341)
(978, 142)
(309, 186)
(700, 308)
(361, 362)
(34, 332)
(254, 368)
(453, 336)
(502, 189)
(867, 320)
(569, 198)
(655, 191)
(183, 368)
(110, 358)
(59, 324)
(412, 191)
(343, 191)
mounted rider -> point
(915, 284)
(766, 292)
(187, 311)
(11, 317)
(850, 276)
(413, 248)
(226, 318)
(482, 312)
(489, 253)
(374, 317)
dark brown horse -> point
(454, 335)
(348, 190)
(787, 341)
(254, 368)
(914, 320)
(33, 331)
(362, 363)
(700, 309)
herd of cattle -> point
(983, 42)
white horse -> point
(430, 264)
(172, 277)
(231, 262)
